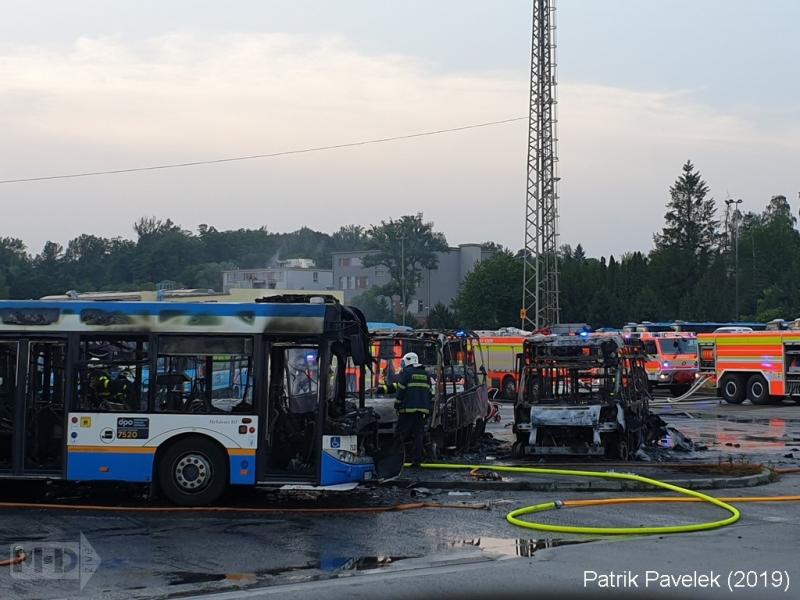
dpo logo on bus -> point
(56, 560)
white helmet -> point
(410, 358)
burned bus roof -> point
(425, 334)
(47, 316)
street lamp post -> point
(734, 216)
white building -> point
(279, 278)
(437, 285)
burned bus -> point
(583, 395)
(189, 398)
(461, 402)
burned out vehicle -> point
(583, 395)
(461, 402)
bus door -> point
(290, 451)
(9, 354)
(40, 439)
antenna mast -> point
(540, 305)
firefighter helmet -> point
(410, 359)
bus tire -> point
(193, 471)
(518, 450)
(509, 388)
(732, 388)
(758, 390)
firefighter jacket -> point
(414, 391)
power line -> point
(270, 155)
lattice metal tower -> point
(540, 283)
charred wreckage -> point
(460, 400)
(583, 395)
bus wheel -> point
(732, 389)
(509, 388)
(616, 446)
(758, 390)
(193, 472)
(517, 450)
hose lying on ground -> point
(698, 383)
(513, 516)
(20, 556)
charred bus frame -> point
(582, 396)
(461, 401)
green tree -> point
(690, 221)
(14, 263)
(441, 317)
(349, 238)
(374, 305)
(404, 246)
(489, 296)
(686, 246)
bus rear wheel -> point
(732, 388)
(193, 472)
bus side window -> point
(301, 379)
(8, 386)
(112, 374)
(204, 374)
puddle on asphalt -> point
(185, 577)
(328, 565)
(732, 434)
(363, 563)
(511, 546)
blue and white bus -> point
(189, 398)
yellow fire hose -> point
(513, 516)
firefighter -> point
(414, 403)
(105, 389)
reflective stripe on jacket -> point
(414, 391)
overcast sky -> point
(643, 85)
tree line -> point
(690, 273)
(162, 251)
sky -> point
(643, 85)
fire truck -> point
(671, 357)
(760, 366)
(499, 359)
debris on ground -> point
(679, 441)
(485, 475)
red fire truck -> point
(760, 366)
(499, 359)
(671, 359)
